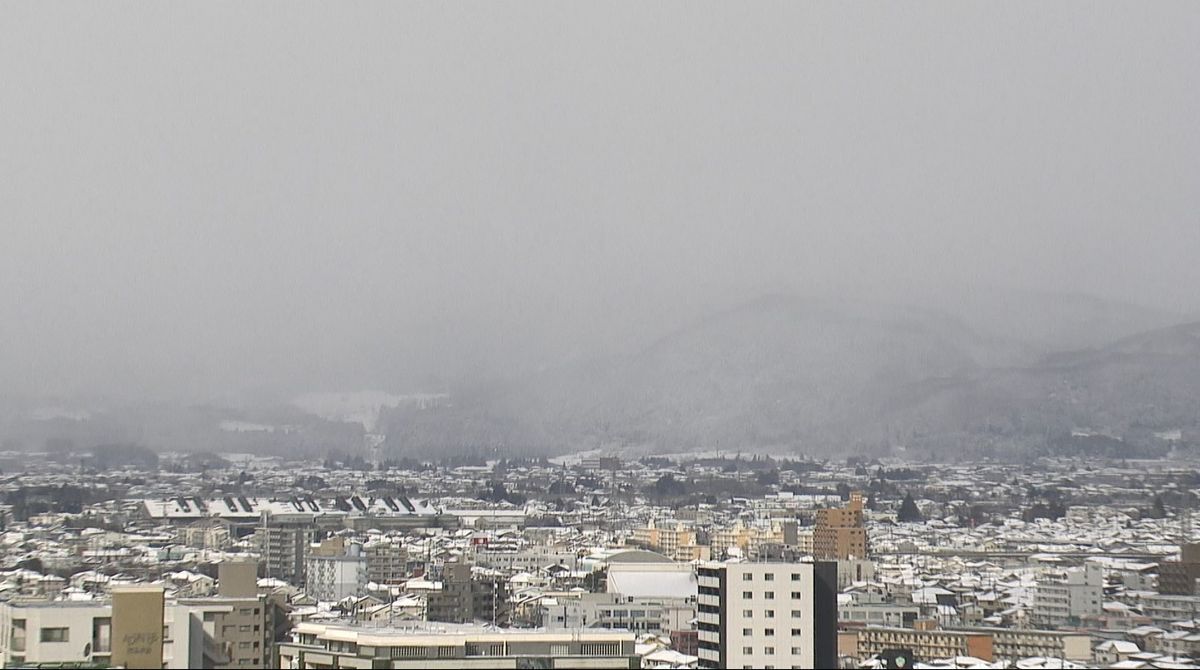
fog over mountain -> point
(553, 227)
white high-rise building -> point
(767, 615)
(1068, 597)
(333, 577)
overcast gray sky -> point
(205, 198)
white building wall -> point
(76, 618)
(766, 626)
(333, 578)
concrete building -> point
(677, 543)
(928, 643)
(750, 539)
(840, 533)
(879, 614)
(595, 462)
(334, 570)
(1163, 610)
(40, 631)
(1178, 578)
(464, 595)
(285, 528)
(284, 541)
(387, 562)
(1067, 597)
(1010, 644)
(137, 629)
(663, 580)
(804, 541)
(236, 628)
(357, 512)
(449, 646)
(640, 614)
(851, 570)
(767, 615)
(988, 644)
(526, 560)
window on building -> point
(769, 651)
(18, 635)
(796, 614)
(770, 614)
(747, 577)
(55, 635)
(796, 632)
(748, 613)
(748, 632)
(769, 595)
(749, 651)
(795, 576)
(747, 595)
(796, 595)
(769, 632)
(769, 577)
(600, 648)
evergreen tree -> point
(909, 512)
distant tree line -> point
(28, 501)
(120, 456)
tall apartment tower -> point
(285, 545)
(767, 615)
(839, 534)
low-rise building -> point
(455, 646)
(989, 644)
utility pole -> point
(1185, 519)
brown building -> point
(839, 533)
(1178, 578)
(685, 641)
(387, 562)
(465, 598)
